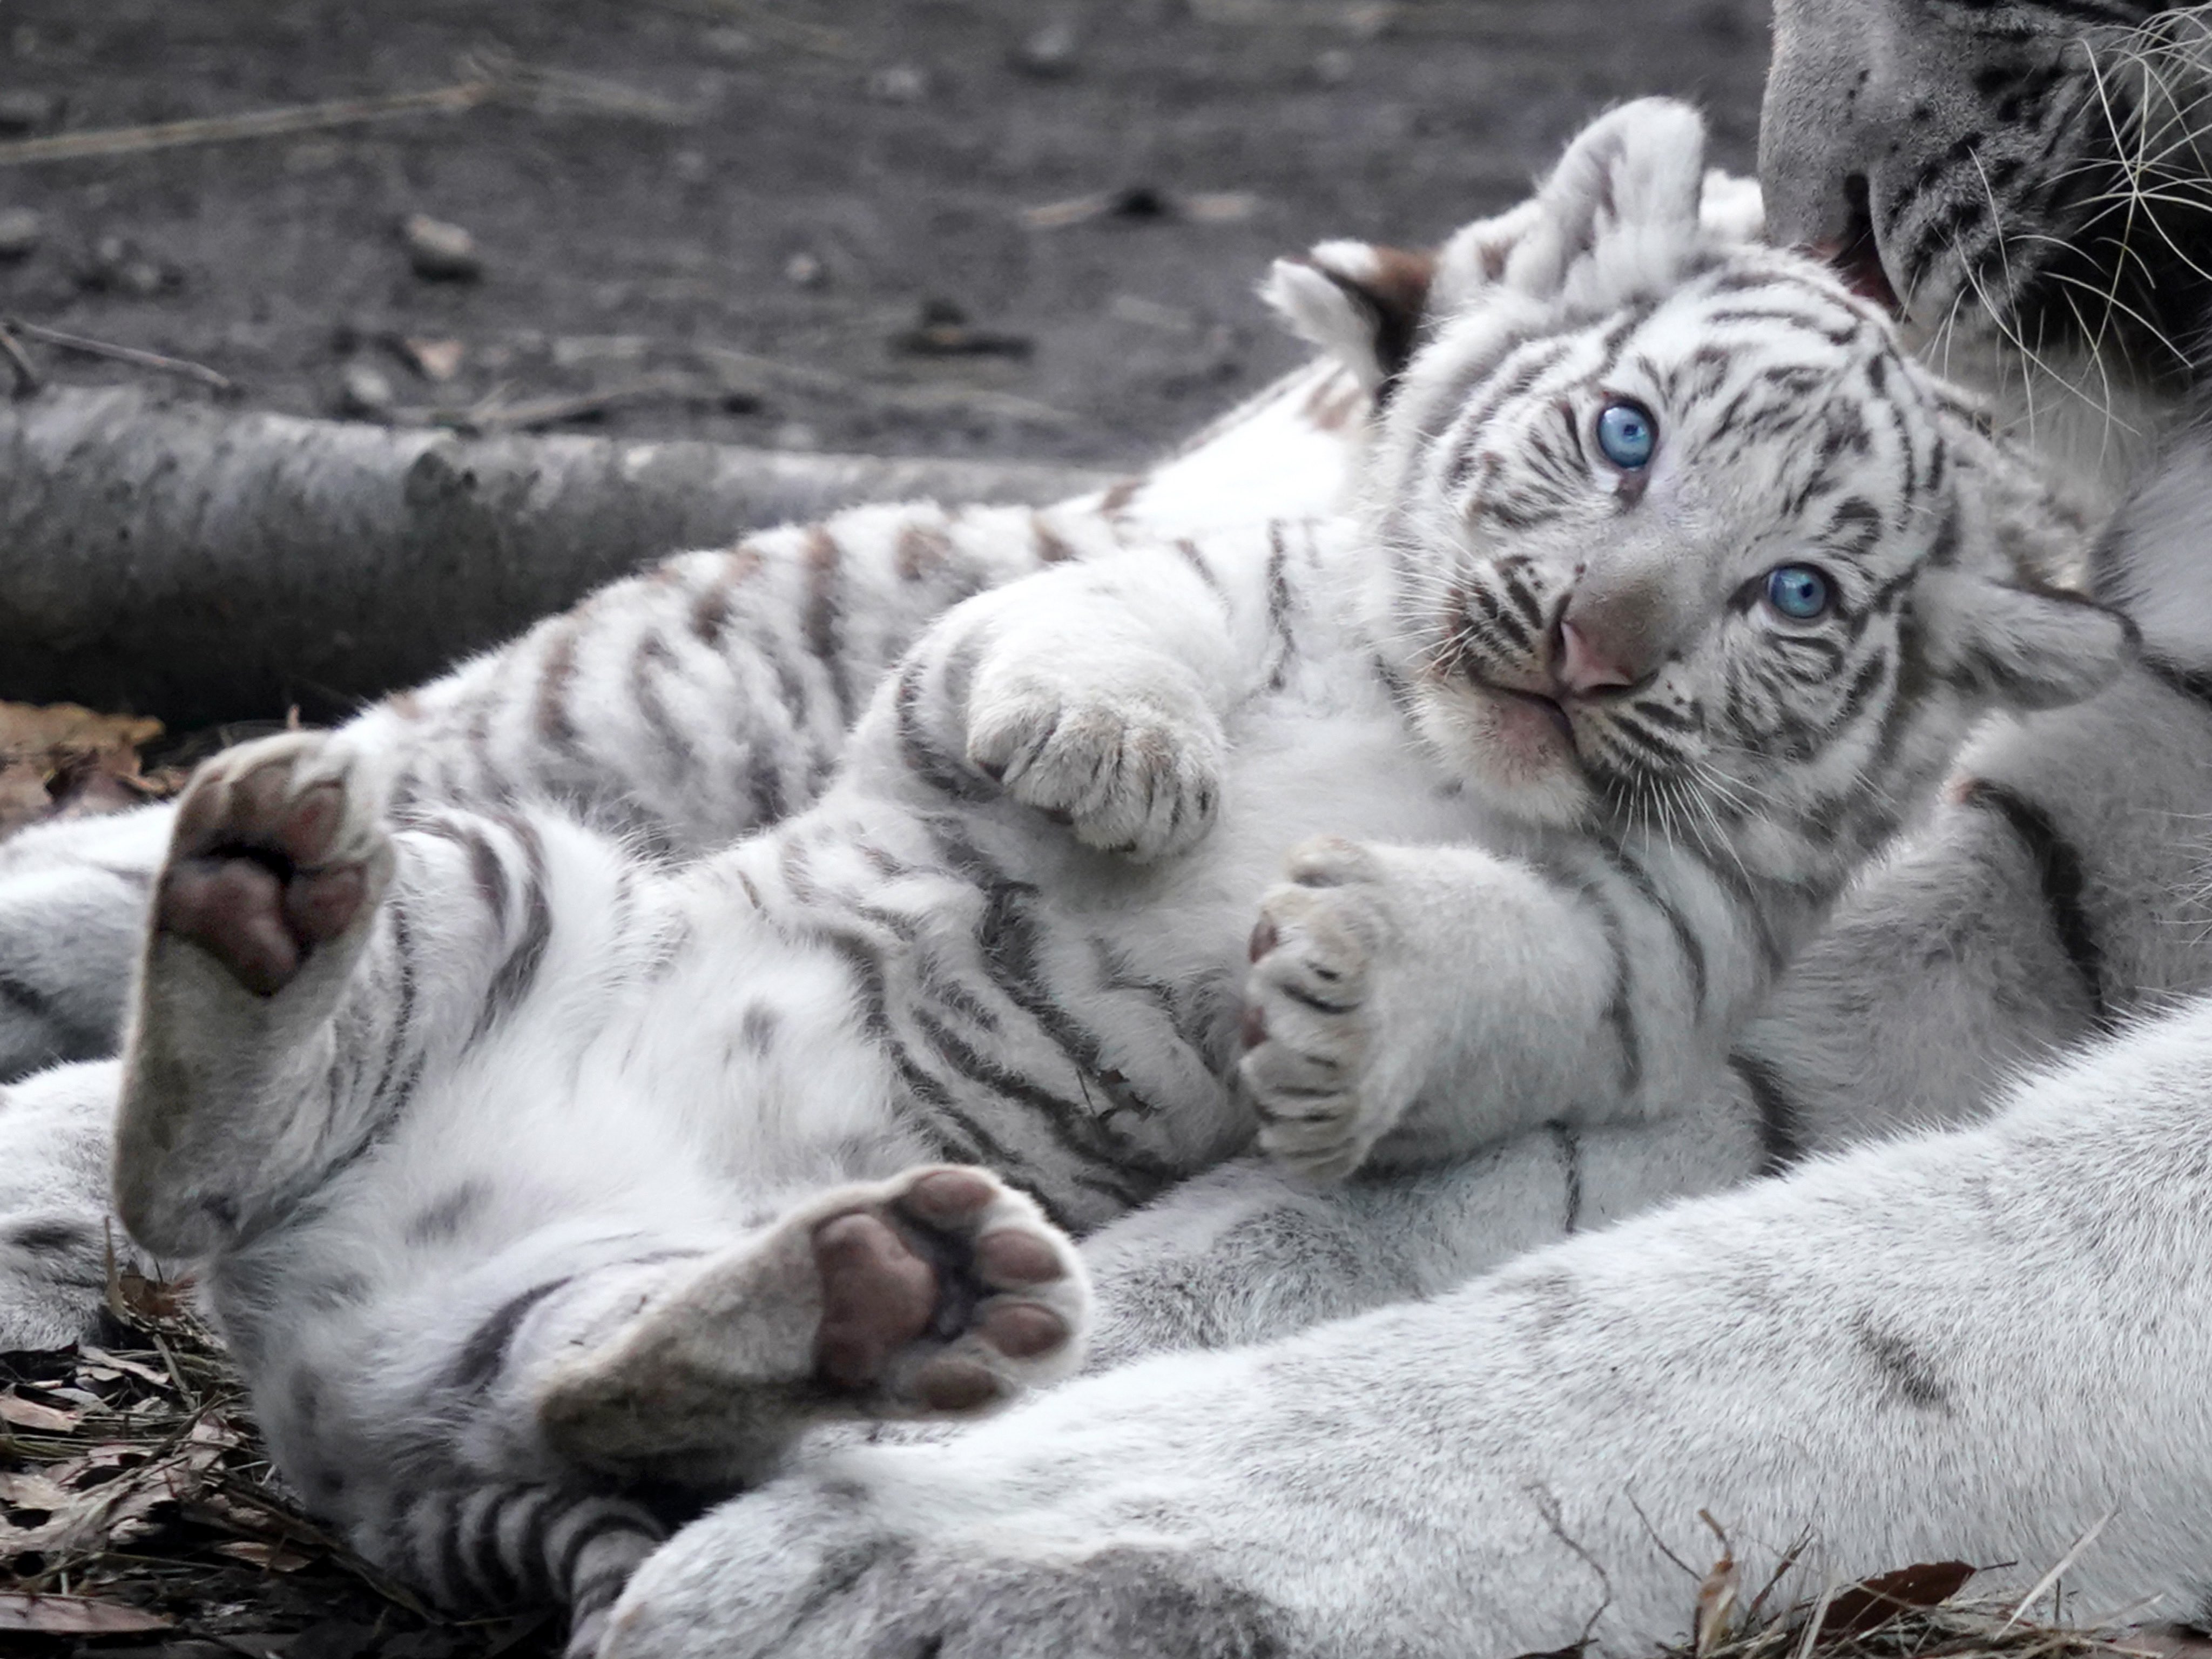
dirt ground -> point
(996, 227)
(742, 221)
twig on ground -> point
(256, 123)
(495, 414)
(743, 371)
(27, 379)
(489, 78)
(121, 354)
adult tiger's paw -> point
(1132, 767)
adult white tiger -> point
(522, 1170)
(1981, 1343)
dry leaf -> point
(73, 1615)
(276, 1557)
(116, 1511)
(99, 1359)
(1874, 1601)
(63, 758)
(29, 1414)
(30, 1491)
(130, 1293)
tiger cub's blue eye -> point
(1798, 591)
(1627, 435)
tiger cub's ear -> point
(1361, 302)
(1621, 210)
(1997, 606)
(2021, 645)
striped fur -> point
(682, 709)
(518, 1154)
(1982, 1336)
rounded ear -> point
(1627, 193)
(2017, 644)
(1361, 302)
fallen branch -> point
(15, 328)
(206, 565)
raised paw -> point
(1310, 1061)
(940, 1292)
(276, 851)
(1132, 772)
(951, 1294)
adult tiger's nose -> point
(1586, 661)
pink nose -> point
(1585, 665)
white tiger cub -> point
(535, 1181)
(684, 708)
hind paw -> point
(949, 1295)
(941, 1291)
(276, 850)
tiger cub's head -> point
(1670, 529)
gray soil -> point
(740, 220)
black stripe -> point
(1693, 949)
(921, 756)
(615, 1519)
(2194, 684)
(478, 1557)
(2058, 875)
(1570, 1166)
(1781, 1140)
(1074, 1130)
(513, 980)
(485, 1352)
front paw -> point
(1314, 1067)
(1134, 771)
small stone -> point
(27, 111)
(1333, 67)
(689, 165)
(433, 359)
(1050, 54)
(22, 230)
(900, 83)
(797, 434)
(805, 270)
(119, 266)
(365, 389)
(440, 252)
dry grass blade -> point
(1915, 1612)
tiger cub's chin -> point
(1514, 750)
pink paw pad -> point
(250, 877)
(918, 1274)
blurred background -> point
(920, 226)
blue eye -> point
(1798, 591)
(1627, 435)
